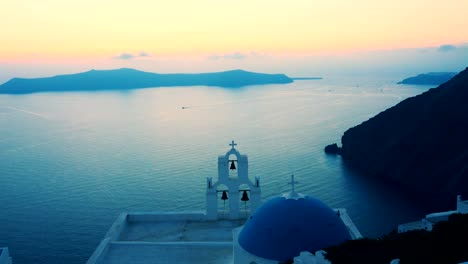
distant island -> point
(306, 78)
(124, 79)
(431, 78)
(421, 144)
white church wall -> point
(462, 206)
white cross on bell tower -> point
(233, 144)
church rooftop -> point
(185, 237)
(211, 236)
(144, 253)
(180, 231)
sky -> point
(299, 37)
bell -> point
(233, 166)
(224, 196)
(245, 196)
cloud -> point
(229, 56)
(235, 56)
(129, 56)
(144, 54)
(125, 56)
(446, 48)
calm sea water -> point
(71, 162)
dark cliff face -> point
(420, 144)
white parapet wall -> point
(125, 219)
(5, 256)
(438, 217)
(166, 216)
(112, 235)
(352, 229)
(422, 224)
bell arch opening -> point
(233, 167)
(244, 199)
(222, 194)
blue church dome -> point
(283, 227)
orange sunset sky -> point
(51, 36)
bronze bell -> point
(224, 196)
(233, 166)
(245, 196)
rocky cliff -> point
(420, 144)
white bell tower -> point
(233, 189)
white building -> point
(278, 230)
(428, 222)
(5, 256)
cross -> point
(233, 144)
(293, 183)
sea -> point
(71, 162)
